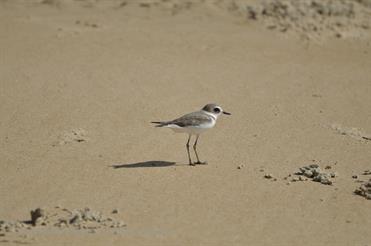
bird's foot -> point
(200, 163)
(192, 164)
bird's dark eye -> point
(217, 110)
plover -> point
(194, 124)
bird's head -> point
(214, 109)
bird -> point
(194, 124)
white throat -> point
(214, 116)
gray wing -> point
(191, 119)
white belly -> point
(193, 130)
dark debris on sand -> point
(314, 173)
(364, 190)
(79, 219)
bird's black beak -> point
(226, 113)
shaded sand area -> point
(81, 80)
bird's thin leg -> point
(189, 155)
(195, 149)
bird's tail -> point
(159, 123)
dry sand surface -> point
(80, 80)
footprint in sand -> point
(77, 135)
(351, 132)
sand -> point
(81, 80)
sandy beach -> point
(81, 80)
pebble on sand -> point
(268, 176)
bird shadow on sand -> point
(145, 164)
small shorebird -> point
(194, 124)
